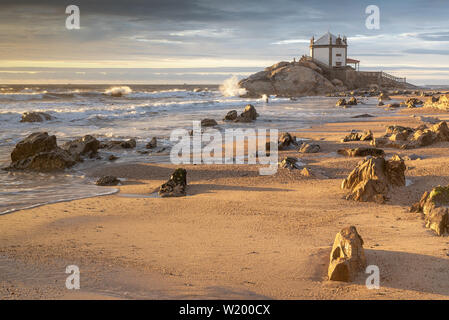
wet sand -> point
(236, 235)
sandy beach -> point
(236, 235)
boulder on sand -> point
(287, 141)
(35, 117)
(408, 138)
(309, 148)
(435, 207)
(373, 178)
(347, 256)
(176, 185)
(39, 152)
(287, 80)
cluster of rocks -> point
(435, 207)
(354, 135)
(40, 152)
(347, 257)
(176, 185)
(288, 142)
(343, 103)
(373, 178)
(408, 138)
(413, 103)
(249, 114)
(441, 102)
(373, 92)
(292, 163)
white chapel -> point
(331, 51)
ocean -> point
(142, 112)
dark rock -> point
(107, 181)
(115, 144)
(231, 115)
(249, 114)
(152, 144)
(287, 141)
(112, 157)
(86, 145)
(208, 123)
(35, 117)
(365, 115)
(33, 144)
(176, 185)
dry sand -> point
(236, 235)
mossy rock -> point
(440, 196)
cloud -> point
(427, 51)
(207, 33)
(291, 41)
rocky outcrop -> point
(117, 144)
(347, 257)
(85, 146)
(107, 181)
(373, 178)
(435, 207)
(176, 185)
(361, 152)
(35, 117)
(407, 138)
(367, 135)
(287, 79)
(39, 152)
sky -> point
(207, 41)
